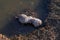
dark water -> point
(13, 27)
(42, 9)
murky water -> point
(7, 9)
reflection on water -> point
(11, 25)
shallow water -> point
(10, 24)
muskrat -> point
(29, 19)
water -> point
(42, 9)
(7, 7)
(10, 25)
